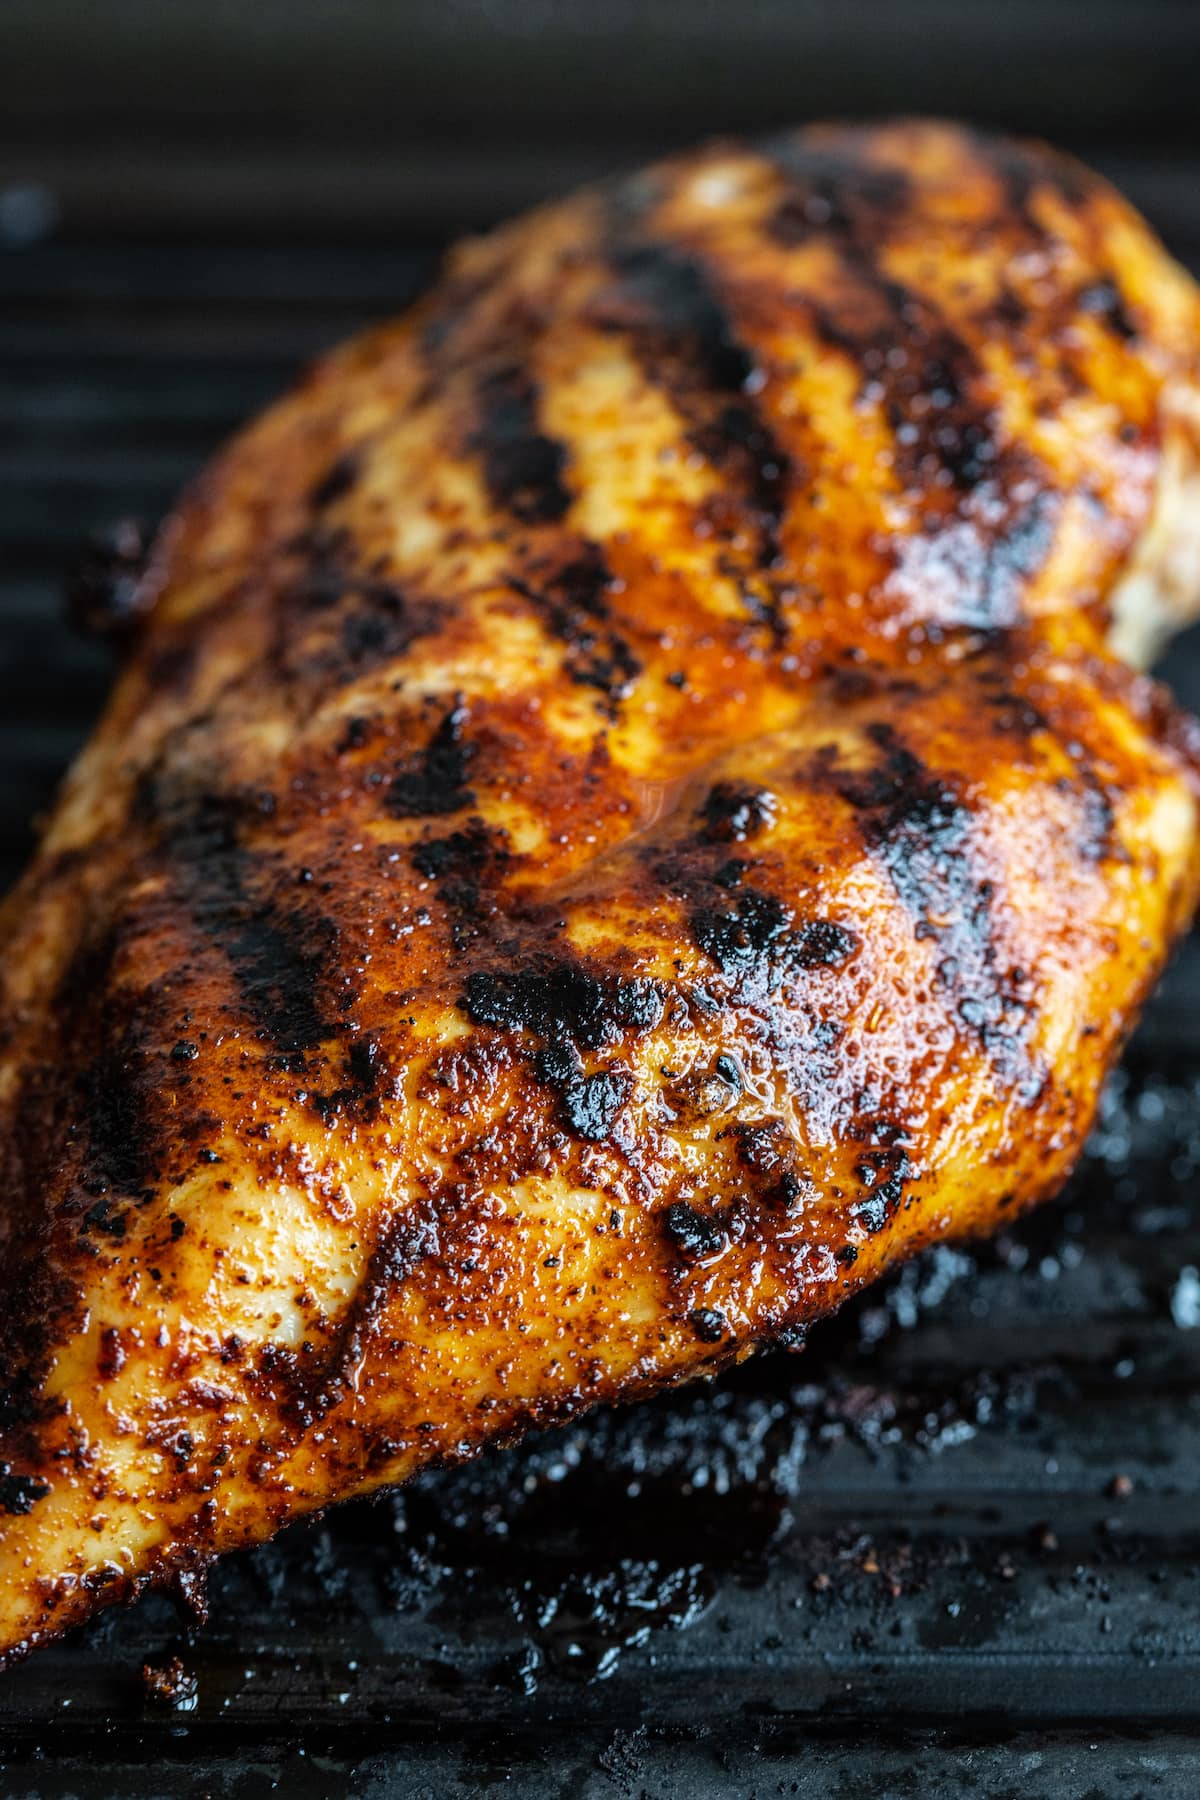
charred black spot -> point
(185, 1050)
(101, 1097)
(570, 1010)
(938, 399)
(558, 1065)
(709, 1324)
(366, 1064)
(377, 625)
(1105, 301)
(435, 782)
(574, 602)
(821, 944)
(733, 814)
(337, 481)
(105, 1218)
(883, 1172)
(1025, 171)
(563, 1004)
(19, 1494)
(366, 1072)
(768, 1151)
(976, 566)
(593, 1103)
(927, 380)
(464, 855)
(613, 668)
(835, 191)
(756, 929)
(116, 1093)
(108, 591)
(695, 1234)
(280, 959)
(335, 620)
(463, 864)
(743, 934)
(729, 1072)
(523, 467)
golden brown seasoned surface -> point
(621, 823)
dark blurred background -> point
(376, 120)
(914, 1552)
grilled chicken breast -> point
(626, 816)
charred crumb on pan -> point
(792, 1338)
(523, 467)
(435, 781)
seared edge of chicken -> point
(624, 821)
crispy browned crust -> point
(620, 826)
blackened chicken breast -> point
(628, 813)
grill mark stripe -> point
(917, 826)
(687, 346)
(574, 605)
(523, 467)
(279, 958)
(940, 425)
